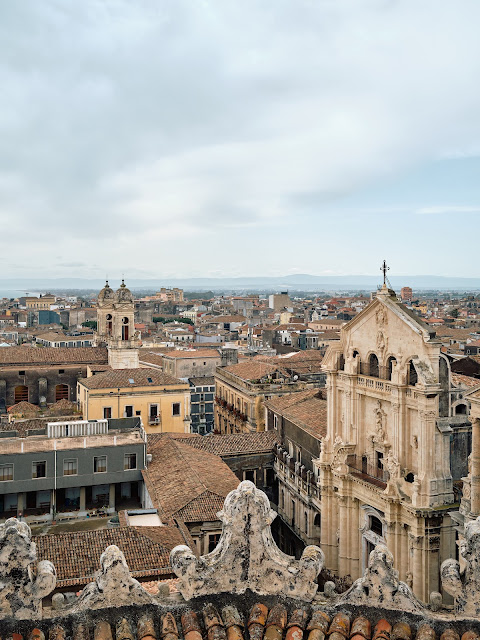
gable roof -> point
(76, 554)
(123, 378)
(180, 475)
(236, 443)
(306, 409)
(52, 355)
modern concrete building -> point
(69, 468)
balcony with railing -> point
(361, 468)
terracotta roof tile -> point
(121, 378)
(231, 444)
(52, 355)
(179, 474)
(76, 555)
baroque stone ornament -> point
(380, 585)
(23, 581)
(465, 587)
(246, 556)
(113, 585)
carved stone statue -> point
(380, 416)
(246, 556)
(465, 587)
(23, 581)
(113, 585)
(380, 585)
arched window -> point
(317, 520)
(412, 374)
(391, 360)
(373, 366)
(341, 362)
(61, 392)
(461, 409)
(21, 393)
(125, 327)
(109, 323)
(306, 522)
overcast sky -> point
(165, 138)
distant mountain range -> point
(295, 282)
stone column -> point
(344, 531)
(475, 481)
(111, 501)
(418, 573)
(82, 499)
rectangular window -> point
(175, 408)
(70, 467)
(100, 464)
(129, 411)
(213, 540)
(39, 469)
(61, 371)
(6, 472)
(107, 413)
(130, 461)
(21, 373)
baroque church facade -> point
(386, 472)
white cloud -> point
(132, 124)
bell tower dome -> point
(116, 326)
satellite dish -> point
(295, 378)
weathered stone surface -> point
(247, 556)
(465, 587)
(113, 585)
(380, 585)
(23, 581)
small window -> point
(176, 408)
(150, 380)
(39, 469)
(21, 373)
(213, 540)
(130, 461)
(376, 526)
(129, 411)
(107, 413)
(100, 464)
(61, 371)
(131, 381)
(138, 413)
(6, 472)
(70, 467)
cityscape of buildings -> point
(138, 416)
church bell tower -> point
(116, 326)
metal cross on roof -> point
(384, 268)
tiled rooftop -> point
(307, 409)
(122, 378)
(179, 475)
(232, 444)
(52, 355)
(76, 555)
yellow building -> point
(162, 402)
(39, 304)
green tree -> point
(91, 324)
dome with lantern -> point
(106, 295)
(123, 294)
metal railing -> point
(360, 465)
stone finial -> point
(113, 585)
(246, 556)
(380, 585)
(23, 581)
(465, 587)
